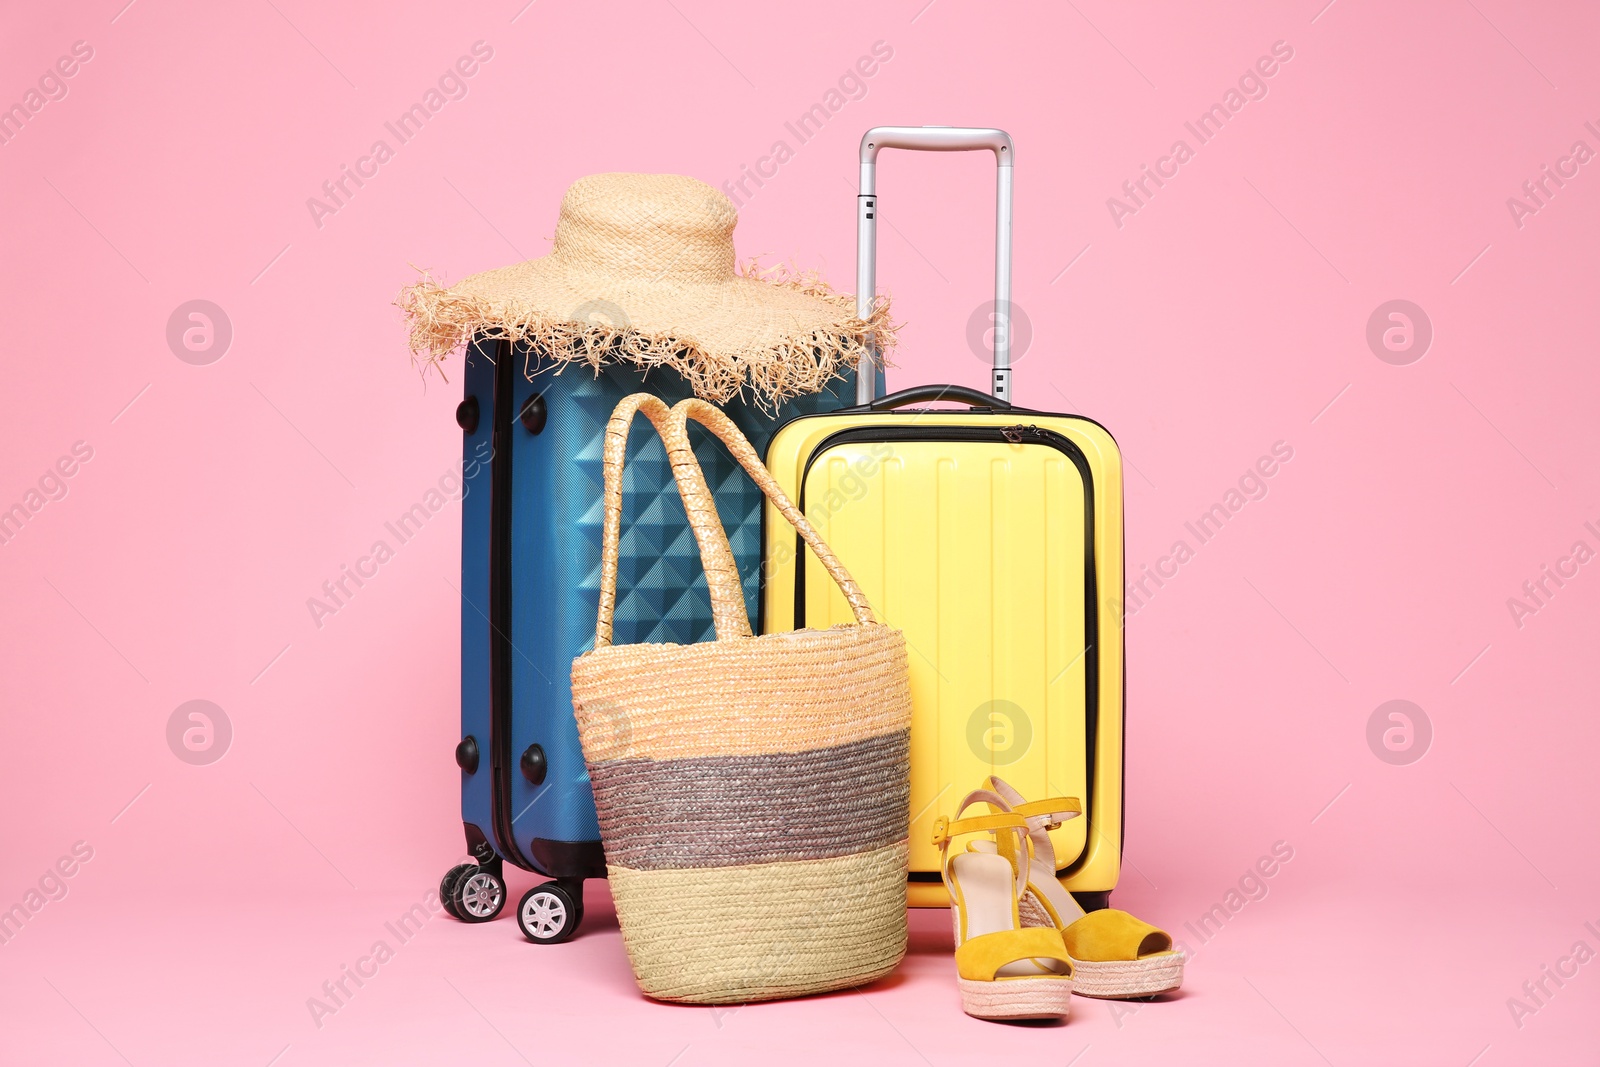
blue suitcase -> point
(530, 565)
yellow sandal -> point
(1004, 970)
(1114, 955)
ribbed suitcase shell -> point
(554, 510)
(1005, 575)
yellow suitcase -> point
(992, 537)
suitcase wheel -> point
(447, 886)
(477, 894)
(550, 913)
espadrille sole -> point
(1121, 979)
(1017, 998)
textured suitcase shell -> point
(554, 537)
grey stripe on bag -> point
(720, 811)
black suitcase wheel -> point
(447, 886)
(478, 894)
(550, 913)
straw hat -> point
(643, 272)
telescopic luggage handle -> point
(934, 139)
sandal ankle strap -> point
(946, 829)
(1011, 829)
(1054, 811)
(1049, 814)
(1042, 815)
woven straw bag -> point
(753, 792)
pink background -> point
(1227, 314)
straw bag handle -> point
(615, 452)
(722, 572)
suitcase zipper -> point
(501, 764)
(1015, 434)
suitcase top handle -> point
(922, 394)
(934, 139)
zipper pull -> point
(1013, 433)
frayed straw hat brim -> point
(652, 282)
